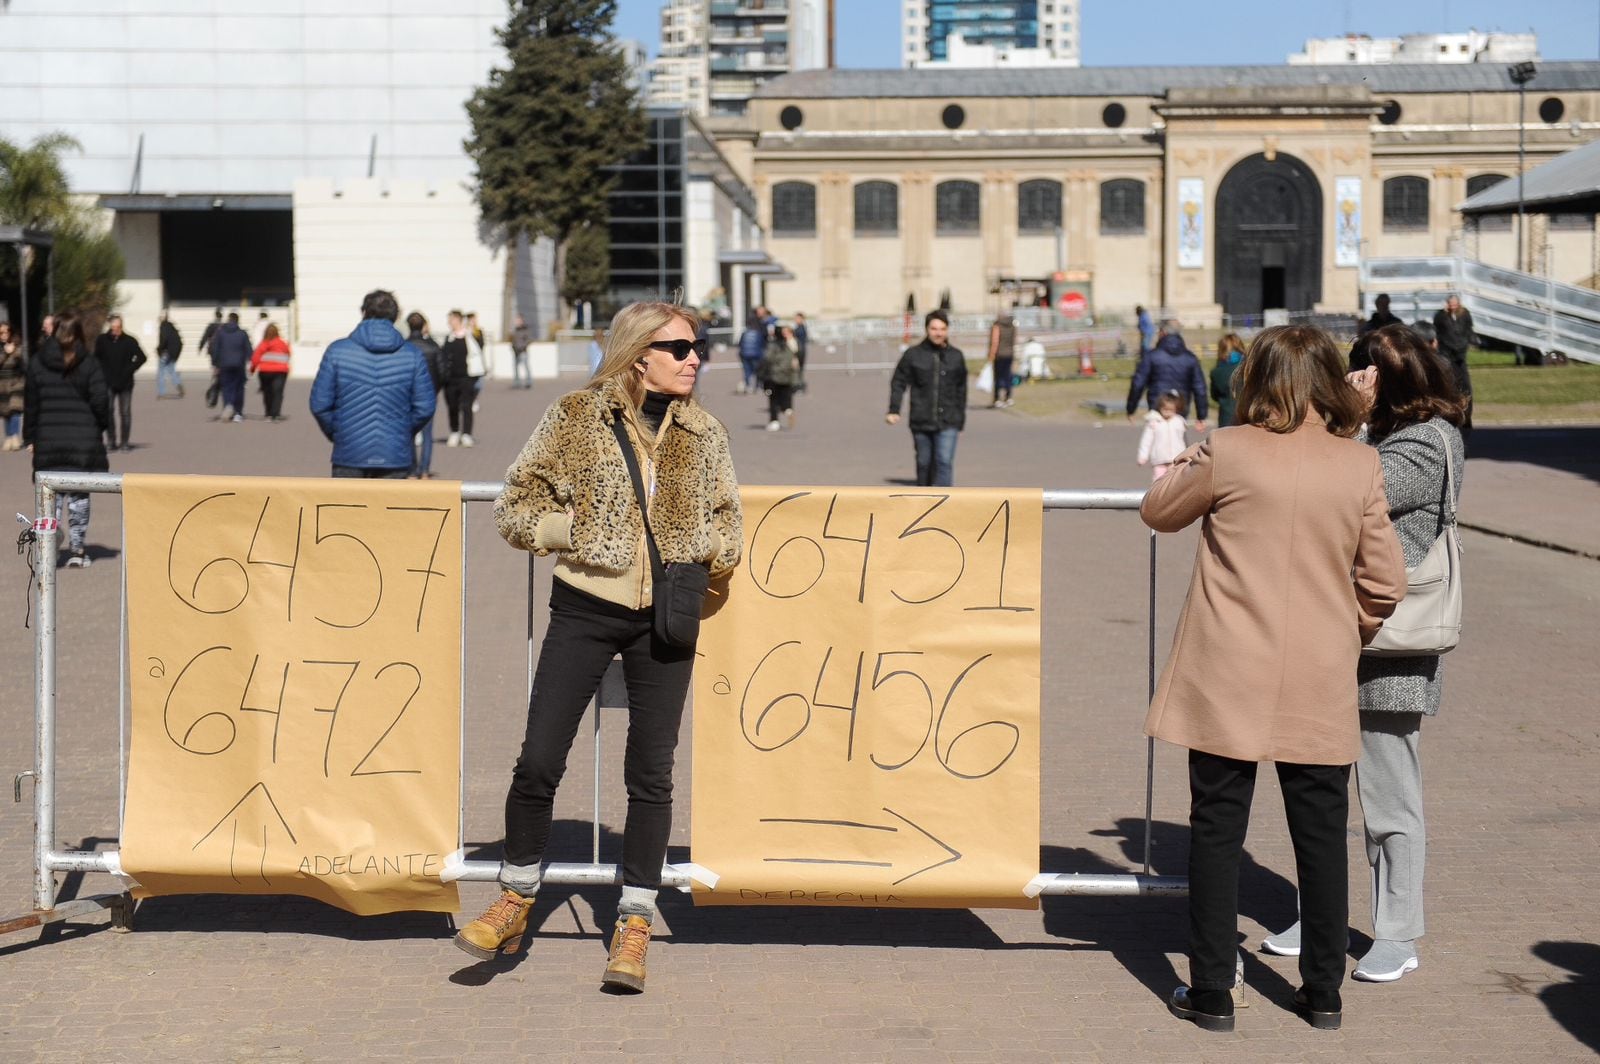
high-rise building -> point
(990, 33)
(716, 53)
(1473, 46)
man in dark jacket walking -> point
(169, 344)
(372, 394)
(1170, 367)
(1453, 325)
(936, 376)
(230, 357)
(120, 357)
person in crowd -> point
(802, 337)
(1035, 361)
(258, 331)
(1147, 330)
(477, 359)
(210, 332)
(67, 418)
(271, 362)
(1163, 437)
(422, 458)
(230, 357)
(1296, 569)
(371, 394)
(1002, 356)
(13, 385)
(1230, 351)
(120, 357)
(521, 336)
(47, 329)
(597, 351)
(1428, 335)
(1381, 316)
(752, 349)
(1170, 367)
(1413, 413)
(460, 382)
(935, 373)
(169, 345)
(1453, 325)
(780, 372)
(572, 492)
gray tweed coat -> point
(1414, 475)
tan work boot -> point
(499, 929)
(625, 966)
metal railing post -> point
(1150, 743)
(44, 672)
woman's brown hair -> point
(271, 332)
(1229, 343)
(1414, 384)
(70, 328)
(1288, 368)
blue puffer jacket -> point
(753, 343)
(371, 395)
(1169, 367)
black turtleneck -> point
(654, 410)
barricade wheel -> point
(122, 910)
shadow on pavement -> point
(1568, 449)
(1575, 1003)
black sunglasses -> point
(680, 348)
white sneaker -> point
(454, 440)
(78, 559)
(773, 426)
(1387, 961)
(476, 406)
(467, 440)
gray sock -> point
(524, 879)
(638, 901)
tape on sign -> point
(699, 874)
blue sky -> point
(1170, 32)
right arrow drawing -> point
(911, 851)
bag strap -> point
(657, 569)
(1447, 514)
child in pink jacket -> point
(1163, 436)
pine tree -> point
(547, 124)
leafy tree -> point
(588, 267)
(546, 125)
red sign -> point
(1072, 304)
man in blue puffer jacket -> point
(372, 393)
(1170, 366)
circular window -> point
(1114, 115)
(1390, 113)
(953, 116)
(791, 117)
(1551, 109)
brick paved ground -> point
(1511, 966)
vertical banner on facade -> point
(1347, 221)
(1191, 223)
(866, 706)
(295, 663)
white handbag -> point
(1428, 619)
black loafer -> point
(1184, 1007)
(1323, 1009)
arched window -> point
(1122, 206)
(1405, 204)
(1488, 223)
(1039, 206)
(956, 207)
(794, 209)
(877, 207)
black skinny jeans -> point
(585, 633)
(459, 393)
(272, 393)
(779, 400)
(1316, 799)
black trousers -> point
(458, 394)
(272, 393)
(585, 634)
(122, 413)
(1316, 799)
(780, 398)
(1002, 377)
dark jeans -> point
(751, 368)
(936, 457)
(458, 395)
(122, 415)
(780, 399)
(1002, 377)
(360, 473)
(1316, 799)
(585, 633)
(231, 381)
(272, 393)
(422, 450)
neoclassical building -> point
(1209, 190)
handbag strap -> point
(1447, 515)
(657, 569)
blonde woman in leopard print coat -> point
(570, 493)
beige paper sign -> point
(295, 663)
(866, 705)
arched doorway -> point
(1269, 236)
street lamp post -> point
(1521, 73)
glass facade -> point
(1014, 24)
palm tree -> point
(34, 192)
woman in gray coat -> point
(1415, 414)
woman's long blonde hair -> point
(626, 340)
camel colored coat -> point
(1297, 567)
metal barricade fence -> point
(48, 861)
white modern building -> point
(990, 33)
(1472, 46)
(715, 53)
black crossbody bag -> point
(680, 588)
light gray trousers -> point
(1389, 781)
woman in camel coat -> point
(1297, 567)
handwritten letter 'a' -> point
(866, 707)
(295, 664)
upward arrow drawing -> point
(913, 843)
(237, 814)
